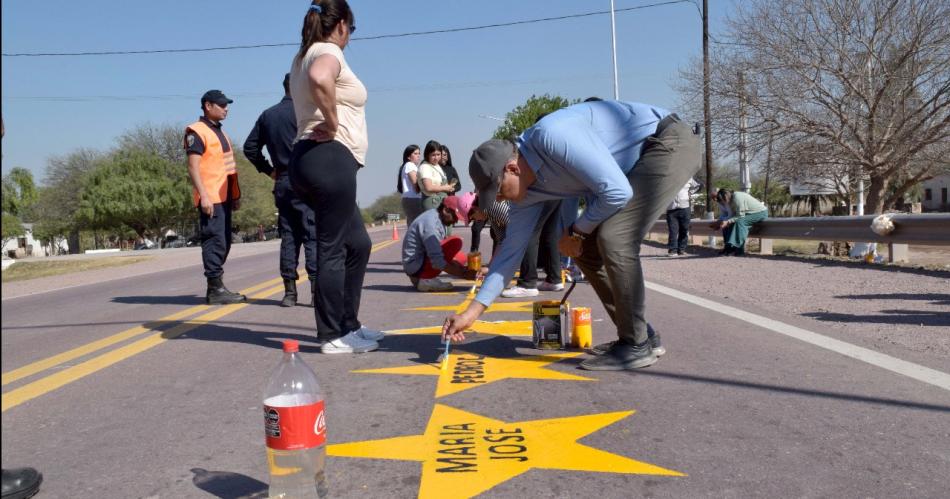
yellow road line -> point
(44, 385)
(42, 365)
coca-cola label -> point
(293, 428)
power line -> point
(367, 38)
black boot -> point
(20, 483)
(290, 293)
(219, 295)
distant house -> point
(25, 246)
(935, 194)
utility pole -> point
(707, 121)
(744, 180)
(613, 42)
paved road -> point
(133, 388)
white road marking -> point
(920, 373)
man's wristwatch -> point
(575, 235)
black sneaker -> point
(652, 334)
(622, 356)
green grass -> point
(22, 271)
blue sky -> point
(420, 88)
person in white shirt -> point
(677, 218)
(407, 183)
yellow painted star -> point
(500, 328)
(464, 454)
(469, 370)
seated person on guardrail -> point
(627, 160)
(746, 211)
(427, 252)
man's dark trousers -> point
(677, 221)
(215, 234)
(542, 250)
(610, 258)
(295, 221)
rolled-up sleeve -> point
(521, 222)
(575, 145)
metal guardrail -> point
(927, 229)
(922, 229)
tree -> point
(19, 192)
(59, 198)
(390, 203)
(257, 197)
(19, 195)
(165, 141)
(11, 227)
(525, 115)
(850, 88)
(138, 190)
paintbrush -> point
(474, 284)
(445, 355)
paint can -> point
(475, 261)
(581, 333)
(551, 324)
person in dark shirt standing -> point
(216, 192)
(276, 129)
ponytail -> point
(321, 18)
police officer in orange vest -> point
(216, 192)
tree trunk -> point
(874, 202)
(72, 240)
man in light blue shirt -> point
(627, 160)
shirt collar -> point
(210, 123)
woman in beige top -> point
(329, 101)
(433, 184)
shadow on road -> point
(396, 288)
(846, 397)
(267, 339)
(227, 485)
(919, 317)
(160, 300)
(933, 298)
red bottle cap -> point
(291, 346)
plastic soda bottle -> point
(295, 428)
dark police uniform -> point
(276, 129)
(215, 231)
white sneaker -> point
(351, 343)
(519, 292)
(368, 334)
(434, 284)
(550, 286)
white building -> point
(935, 194)
(25, 246)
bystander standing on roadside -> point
(433, 183)
(275, 130)
(330, 105)
(215, 189)
(678, 214)
(406, 183)
(445, 161)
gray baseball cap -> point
(486, 166)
